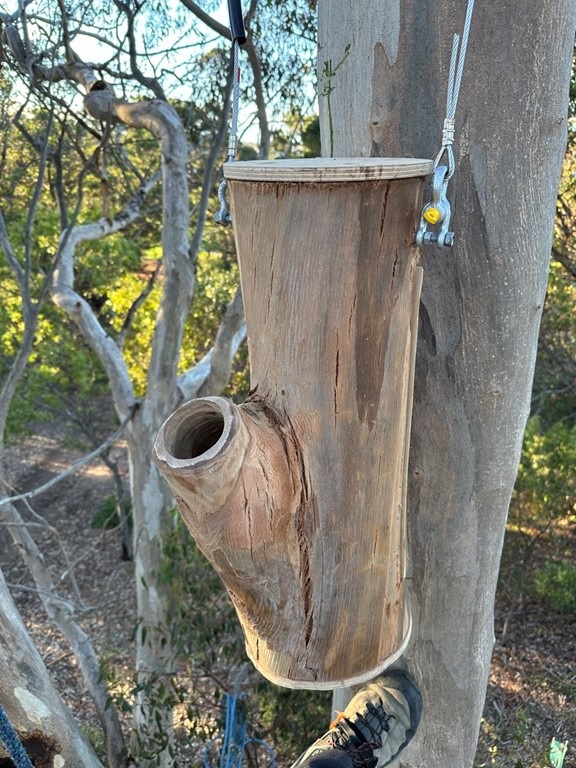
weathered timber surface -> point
(297, 497)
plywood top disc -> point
(328, 169)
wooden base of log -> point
(297, 496)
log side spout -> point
(236, 472)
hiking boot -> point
(373, 729)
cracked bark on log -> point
(297, 496)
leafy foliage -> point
(554, 394)
(546, 487)
(556, 583)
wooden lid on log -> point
(328, 169)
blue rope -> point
(12, 742)
(234, 738)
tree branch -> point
(210, 22)
(230, 335)
(255, 66)
(149, 82)
(23, 666)
(61, 613)
(136, 304)
(72, 469)
(209, 167)
(261, 112)
(212, 373)
(66, 297)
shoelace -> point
(363, 735)
(376, 721)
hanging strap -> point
(11, 740)
(234, 738)
(438, 211)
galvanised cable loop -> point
(238, 38)
(438, 211)
(233, 138)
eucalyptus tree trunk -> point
(383, 69)
(31, 702)
(151, 500)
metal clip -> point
(437, 212)
(223, 216)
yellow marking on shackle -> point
(432, 215)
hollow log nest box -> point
(297, 496)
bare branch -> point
(10, 18)
(65, 31)
(212, 373)
(72, 469)
(22, 665)
(30, 308)
(11, 39)
(214, 25)
(149, 82)
(261, 111)
(210, 164)
(136, 304)
(9, 253)
(228, 339)
(61, 612)
(41, 522)
(66, 605)
(79, 310)
(254, 61)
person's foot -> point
(373, 729)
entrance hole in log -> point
(198, 433)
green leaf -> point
(558, 751)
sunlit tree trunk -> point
(150, 500)
(30, 700)
(481, 300)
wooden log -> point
(297, 496)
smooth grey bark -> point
(31, 701)
(481, 301)
(62, 612)
(151, 500)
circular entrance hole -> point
(200, 431)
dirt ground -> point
(532, 693)
(104, 580)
